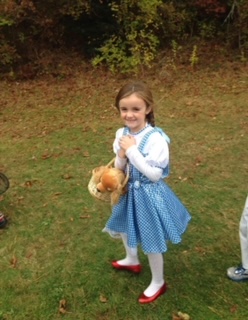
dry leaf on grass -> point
(28, 183)
(62, 306)
(57, 194)
(46, 156)
(234, 309)
(200, 250)
(103, 299)
(180, 316)
(67, 176)
(13, 262)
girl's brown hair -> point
(143, 92)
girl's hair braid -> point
(143, 92)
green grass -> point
(53, 133)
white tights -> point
(131, 254)
(156, 263)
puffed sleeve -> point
(157, 151)
(118, 135)
(155, 158)
(120, 163)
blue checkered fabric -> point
(150, 213)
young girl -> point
(149, 214)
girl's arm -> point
(120, 162)
(121, 159)
(139, 162)
(157, 156)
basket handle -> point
(127, 173)
(127, 176)
(110, 162)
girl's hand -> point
(121, 153)
(126, 142)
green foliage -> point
(194, 57)
(135, 43)
(175, 48)
(172, 60)
(27, 28)
(175, 21)
(243, 57)
(125, 35)
(76, 8)
(138, 50)
(8, 54)
(5, 22)
(207, 30)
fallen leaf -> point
(46, 156)
(13, 262)
(189, 103)
(62, 310)
(180, 316)
(103, 299)
(234, 309)
(184, 316)
(200, 250)
(28, 256)
(198, 161)
(66, 176)
(57, 193)
(62, 306)
(28, 183)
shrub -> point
(134, 44)
(126, 35)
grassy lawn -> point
(53, 132)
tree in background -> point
(124, 35)
(135, 42)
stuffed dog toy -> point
(110, 180)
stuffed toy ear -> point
(122, 190)
(115, 196)
(97, 173)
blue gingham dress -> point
(149, 213)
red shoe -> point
(144, 299)
(135, 269)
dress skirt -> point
(150, 214)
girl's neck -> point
(137, 132)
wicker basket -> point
(104, 196)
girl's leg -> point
(243, 235)
(131, 258)
(156, 263)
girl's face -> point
(133, 112)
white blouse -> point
(156, 150)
